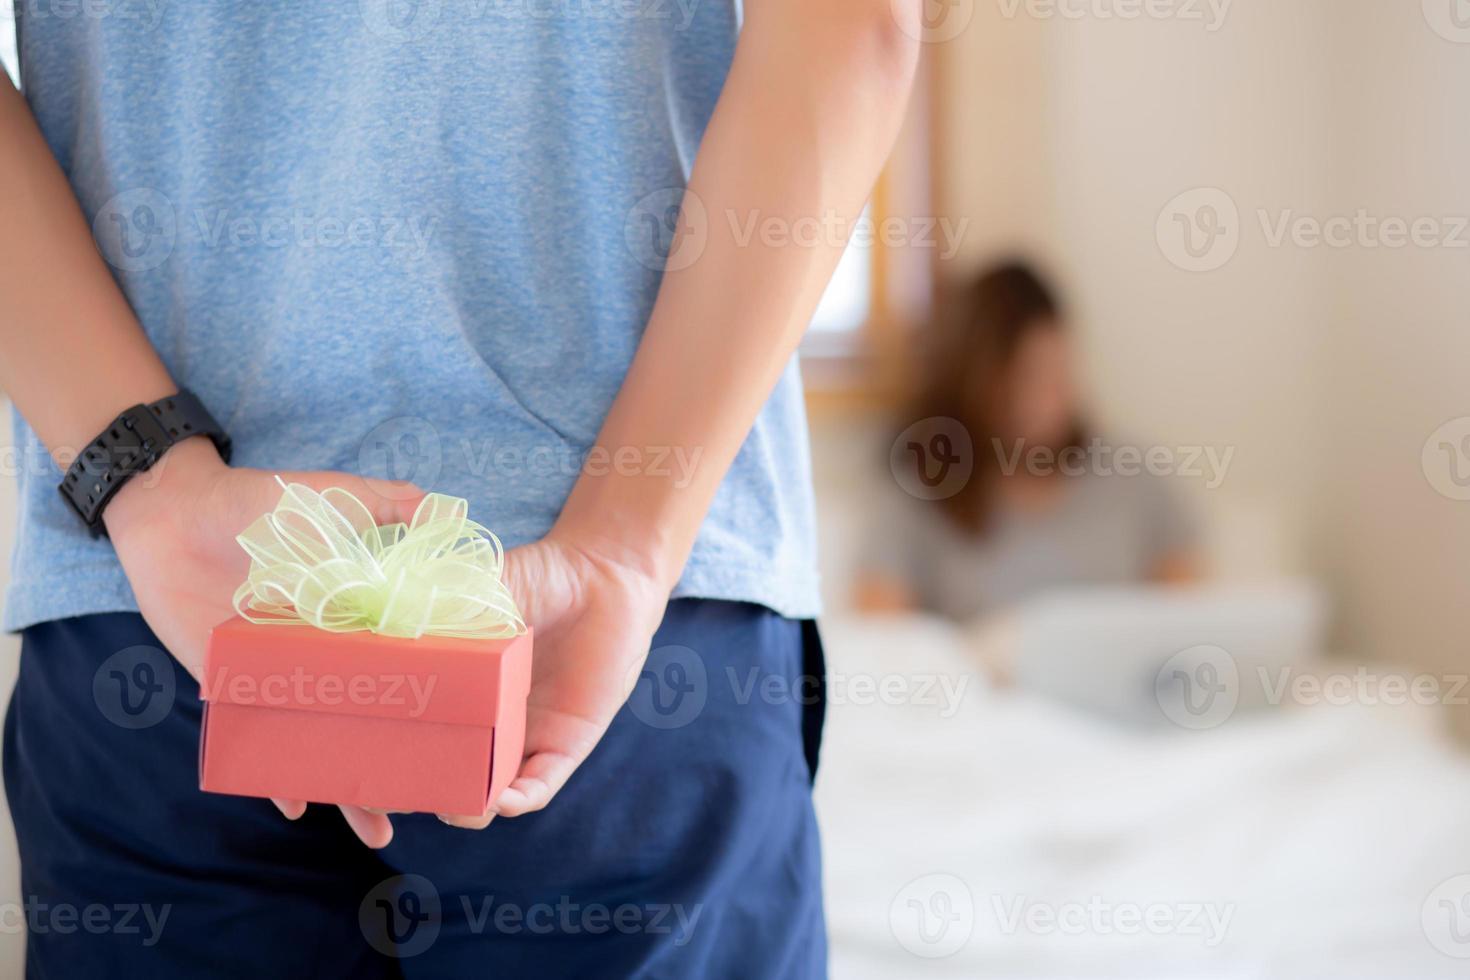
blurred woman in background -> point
(1045, 505)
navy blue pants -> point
(685, 847)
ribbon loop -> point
(320, 559)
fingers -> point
(290, 809)
(541, 777)
(469, 823)
(372, 828)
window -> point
(848, 302)
(859, 340)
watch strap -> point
(132, 444)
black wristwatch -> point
(132, 444)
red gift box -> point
(435, 724)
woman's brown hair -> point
(973, 340)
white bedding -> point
(1303, 843)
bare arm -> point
(74, 353)
(75, 356)
(808, 114)
(880, 595)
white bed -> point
(1315, 837)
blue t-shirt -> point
(407, 241)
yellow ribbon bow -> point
(321, 559)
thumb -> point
(389, 501)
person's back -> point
(426, 252)
(491, 249)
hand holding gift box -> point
(383, 667)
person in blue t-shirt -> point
(494, 250)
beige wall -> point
(1326, 369)
(1398, 363)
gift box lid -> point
(450, 680)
